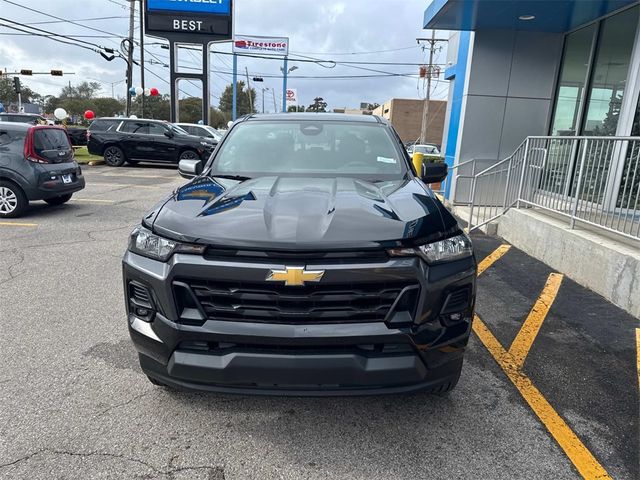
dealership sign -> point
(190, 20)
(254, 44)
(292, 97)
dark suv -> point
(36, 163)
(306, 257)
(134, 140)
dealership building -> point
(542, 110)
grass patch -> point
(83, 156)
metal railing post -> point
(524, 170)
(471, 201)
(506, 186)
(574, 208)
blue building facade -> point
(535, 67)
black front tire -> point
(114, 156)
(59, 200)
(189, 155)
(13, 201)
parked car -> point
(122, 140)
(425, 149)
(306, 257)
(198, 130)
(36, 163)
(30, 118)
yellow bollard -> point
(418, 159)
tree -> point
(318, 105)
(218, 119)
(190, 110)
(244, 105)
(8, 94)
(158, 107)
(84, 90)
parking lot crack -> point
(122, 404)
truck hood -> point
(281, 212)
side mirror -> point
(434, 172)
(190, 168)
(169, 134)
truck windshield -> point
(310, 148)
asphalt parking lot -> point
(555, 399)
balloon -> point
(133, 116)
(200, 122)
(132, 90)
(60, 113)
(154, 92)
(89, 115)
(139, 90)
(147, 91)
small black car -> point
(307, 257)
(131, 140)
(36, 163)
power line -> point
(358, 53)
(51, 37)
(76, 20)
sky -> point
(340, 30)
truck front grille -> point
(329, 303)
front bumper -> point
(303, 358)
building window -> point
(573, 77)
(610, 69)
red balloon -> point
(154, 92)
(89, 115)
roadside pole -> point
(285, 71)
(142, 54)
(433, 41)
(249, 90)
(132, 14)
(234, 113)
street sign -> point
(256, 44)
(187, 21)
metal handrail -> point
(592, 180)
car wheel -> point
(59, 200)
(189, 155)
(12, 200)
(114, 156)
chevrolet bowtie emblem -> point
(295, 276)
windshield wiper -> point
(240, 178)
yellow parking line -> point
(490, 259)
(14, 224)
(638, 354)
(531, 326)
(155, 187)
(580, 456)
(94, 200)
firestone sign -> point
(254, 44)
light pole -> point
(263, 90)
(285, 71)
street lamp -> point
(285, 71)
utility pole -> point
(132, 14)
(249, 90)
(263, 90)
(142, 53)
(433, 41)
(275, 107)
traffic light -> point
(56, 73)
(16, 85)
(26, 72)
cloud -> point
(318, 29)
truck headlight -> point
(447, 250)
(144, 242)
